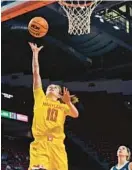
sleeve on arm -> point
(39, 96)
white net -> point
(79, 15)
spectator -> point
(8, 167)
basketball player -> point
(123, 155)
(47, 151)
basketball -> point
(38, 27)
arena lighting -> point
(128, 104)
(7, 95)
(98, 16)
(116, 27)
(101, 20)
(19, 27)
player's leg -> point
(58, 155)
(39, 158)
(33, 155)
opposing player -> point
(123, 154)
(47, 151)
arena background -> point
(96, 67)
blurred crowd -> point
(12, 160)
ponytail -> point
(74, 99)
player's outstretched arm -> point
(35, 66)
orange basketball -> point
(38, 27)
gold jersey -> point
(49, 116)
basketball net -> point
(79, 15)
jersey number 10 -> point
(52, 114)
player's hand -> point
(34, 47)
(66, 98)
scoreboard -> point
(15, 116)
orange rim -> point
(23, 8)
(75, 5)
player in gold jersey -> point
(47, 151)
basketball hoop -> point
(78, 13)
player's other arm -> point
(71, 110)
